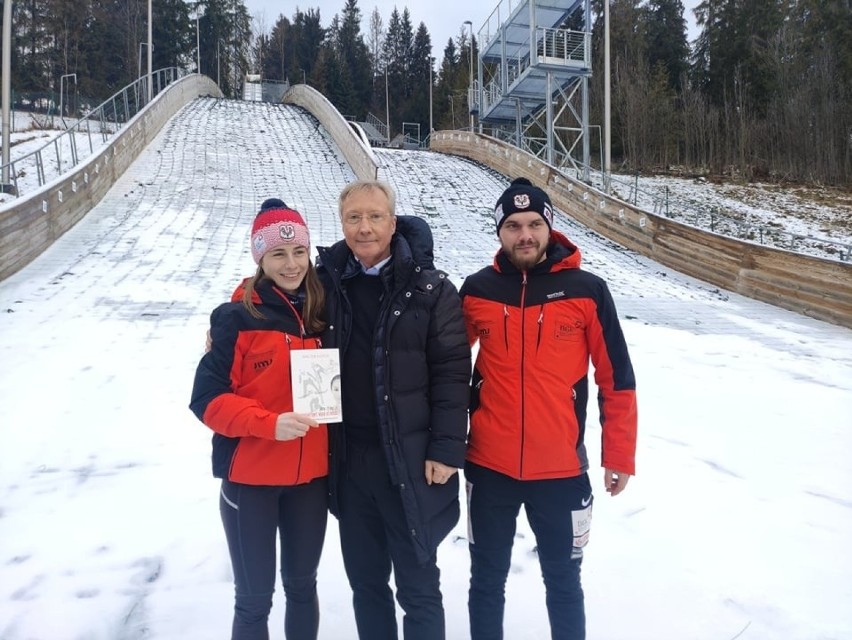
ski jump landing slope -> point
(739, 517)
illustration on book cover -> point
(316, 384)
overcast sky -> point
(443, 18)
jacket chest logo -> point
(260, 365)
(569, 329)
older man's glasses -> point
(373, 219)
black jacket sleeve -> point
(448, 355)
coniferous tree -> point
(66, 26)
(105, 71)
(420, 74)
(394, 52)
(447, 81)
(310, 35)
(336, 83)
(376, 38)
(628, 64)
(734, 47)
(405, 46)
(354, 60)
(666, 39)
(29, 68)
(280, 51)
(226, 35)
(467, 65)
(173, 34)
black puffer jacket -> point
(421, 376)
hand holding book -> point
(290, 426)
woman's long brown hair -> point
(313, 310)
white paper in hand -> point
(316, 384)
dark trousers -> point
(559, 513)
(374, 537)
(253, 517)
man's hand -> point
(438, 472)
(290, 426)
(615, 481)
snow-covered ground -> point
(812, 220)
(736, 526)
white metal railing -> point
(491, 28)
(380, 126)
(491, 94)
(104, 120)
(563, 46)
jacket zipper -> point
(523, 398)
(540, 325)
(290, 365)
(506, 327)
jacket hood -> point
(561, 254)
(418, 234)
(239, 292)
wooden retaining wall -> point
(812, 286)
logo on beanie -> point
(259, 244)
(522, 201)
(287, 232)
(548, 214)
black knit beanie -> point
(523, 196)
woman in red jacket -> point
(273, 462)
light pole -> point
(470, 57)
(387, 103)
(150, 54)
(139, 59)
(7, 88)
(607, 160)
(431, 62)
(198, 38)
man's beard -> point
(527, 260)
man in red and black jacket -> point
(539, 320)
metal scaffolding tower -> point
(532, 85)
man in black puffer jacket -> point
(405, 365)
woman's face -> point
(287, 266)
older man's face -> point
(368, 225)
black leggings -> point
(252, 515)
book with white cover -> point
(315, 374)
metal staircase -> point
(533, 73)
